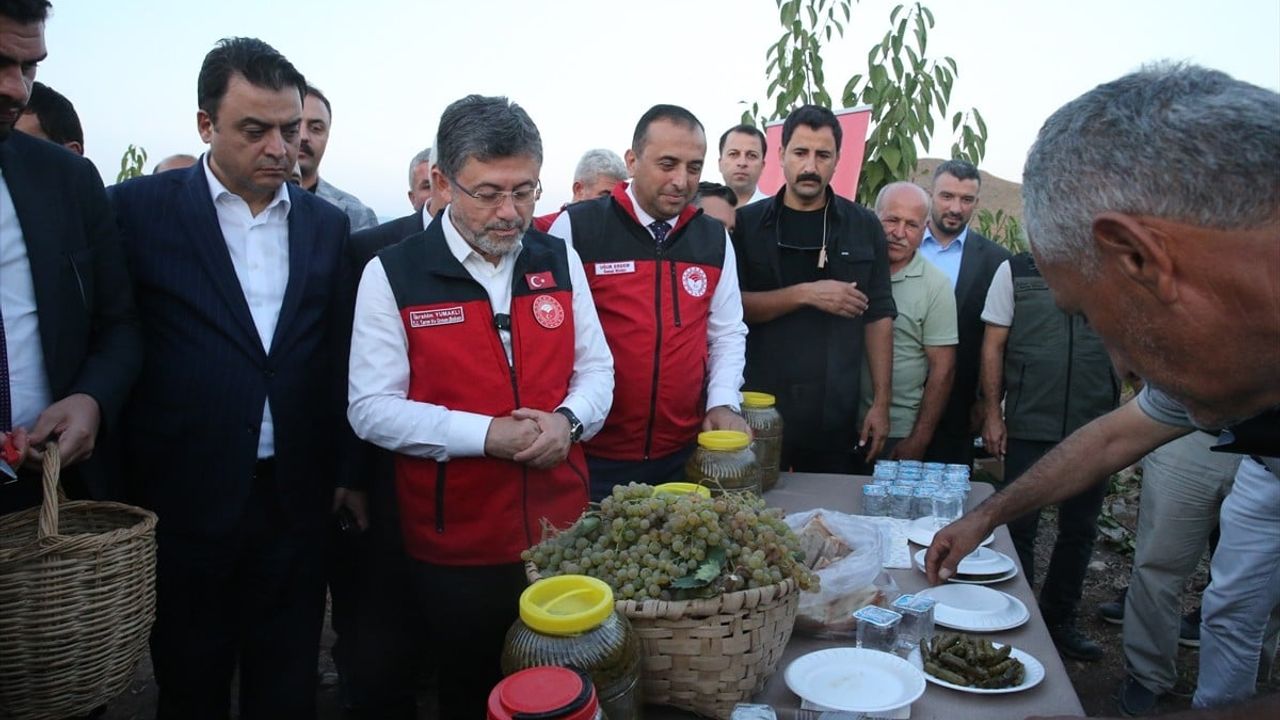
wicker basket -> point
(77, 598)
(708, 655)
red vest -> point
(480, 510)
(653, 308)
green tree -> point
(131, 163)
(1004, 229)
(907, 91)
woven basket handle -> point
(53, 494)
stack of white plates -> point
(855, 680)
(983, 566)
(921, 530)
(975, 608)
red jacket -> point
(654, 308)
(480, 510)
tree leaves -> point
(905, 104)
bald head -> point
(903, 209)
(174, 162)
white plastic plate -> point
(1032, 677)
(921, 530)
(983, 561)
(975, 608)
(855, 680)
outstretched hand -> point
(951, 544)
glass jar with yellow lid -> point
(760, 411)
(570, 620)
(723, 462)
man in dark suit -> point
(969, 260)
(380, 629)
(71, 347)
(237, 426)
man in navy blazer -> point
(71, 347)
(237, 425)
(969, 260)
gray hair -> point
(484, 128)
(422, 157)
(598, 162)
(1173, 141)
(883, 195)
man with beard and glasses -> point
(969, 260)
(236, 428)
(666, 285)
(71, 347)
(317, 118)
(817, 297)
(1178, 277)
(477, 357)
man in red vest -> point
(477, 357)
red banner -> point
(854, 122)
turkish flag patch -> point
(540, 280)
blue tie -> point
(660, 229)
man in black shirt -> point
(814, 272)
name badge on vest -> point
(548, 312)
(431, 318)
(540, 280)
(616, 268)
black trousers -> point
(469, 610)
(606, 473)
(952, 440)
(1077, 529)
(253, 598)
(381, 650)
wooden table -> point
(1053, 696)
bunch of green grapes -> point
(675, 546)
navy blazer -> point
(193, 421)
(88, 326)
(978, 263)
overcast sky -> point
(586, 69)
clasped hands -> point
(530, 437)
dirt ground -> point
(1095, 683)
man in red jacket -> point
(666, 285)
(477, 357)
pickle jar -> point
(569, 620)
(552, 693)
(759, 410)
(723, 462)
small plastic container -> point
(877, 628)
(875, 500)
(569, 620)
(947, 505)
(933, 467)
(885, 469)
(901, 501)
(957, 468)
(911, 465)
(553, 693)
(917, 620)
(752, 711)
(922, 500)
(723, 462)
(760, 411)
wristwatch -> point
(575, 425)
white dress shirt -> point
(377, 391)
(726, 332)
(29, 392)
(259, 248)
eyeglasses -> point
(494, 199)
